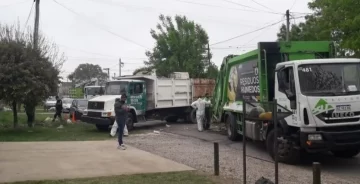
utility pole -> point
(119, 67)
(108, 71)
(36, 25)
(287, 31)
(208, 52)
(121, 64)
(287, 25)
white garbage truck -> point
(149, 98)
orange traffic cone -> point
(73, 117)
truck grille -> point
(94, 114)
(326, 117)
(96, 105)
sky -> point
(102, 31)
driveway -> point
(23, 161)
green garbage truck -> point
(321, 92)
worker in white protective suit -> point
(114, 130)
(200, 105)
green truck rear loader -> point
(319, 90)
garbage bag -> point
(114, 129)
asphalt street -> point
(336, 166)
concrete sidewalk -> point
(22, 161)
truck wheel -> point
(102, 128)
(231, 128)
(130, 124)
(286, 152)
(346, 153)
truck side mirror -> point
(292, 97)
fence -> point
(271, 113)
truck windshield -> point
(329, 79)
(115, 87)
(92, 90)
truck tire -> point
(231, 128)
(286, 152)
(346, 153)
(102, 128)
(130, 124)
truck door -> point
(137, 98)
(286, 94)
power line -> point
(245, 45)
(152, 9)
(108, 59)
(99, 54)
(247, 33)
(232, 2)
(26, 23)
(99, 26)
(262, 5)
(216, 6)
(293, 4)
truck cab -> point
(93, 91)
(324, 95)
(319, 94)
(100, 109)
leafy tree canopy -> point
(85, 72)
(27, 75)
(334, 20)
(181, 46)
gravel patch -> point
(199, 155)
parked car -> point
(67, 104)
(49, 103)
(78, 106)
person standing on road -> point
(58, 108)
(121, 113)
(200, 105)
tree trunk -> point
(30, 113)
(15, 116)
(19, 107)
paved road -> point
(344, 167)
(22, 161)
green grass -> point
(46, 131)
(158, 178)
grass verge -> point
(157, 178)
(46, 131)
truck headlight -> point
(106, 114)
(85, 112)
(314, 137)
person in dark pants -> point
(121, 113)
(59, 108)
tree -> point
(310, 30)
(212, 71)
(27, 75)
(180, 47)
(85, 72)
(334, 20)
